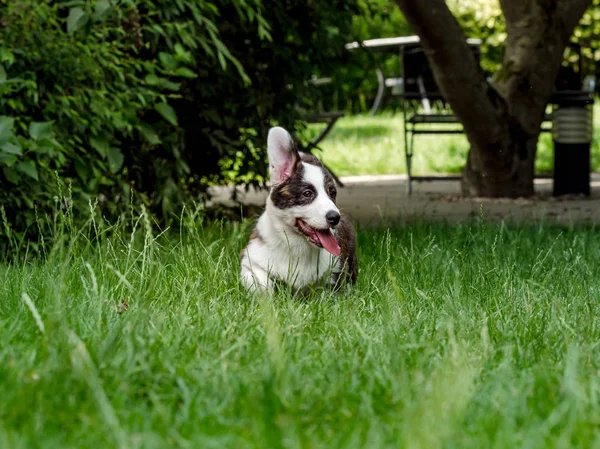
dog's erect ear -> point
(282, 154)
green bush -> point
(154, 99)
(221, 111)
(72, 92)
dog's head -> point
(303, 192)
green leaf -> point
(149, 134)
(100, 145)
(9, 148)
(167, 60)
(82, 170)
(171, 85)
(6, 125)
(3, 76)
(7, 160)
(11, 175)
(167, 112)
(154, 80)
(76, 20)
(222, 61)
(102, 10)
(70, 3)
(7, 56)
(185, 72)
(53, 143)
(115, 159)
(40, 130)
(29, 168)
(179, 50)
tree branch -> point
(564, 14)
(538, 31)
(457, 74)
(571, 13)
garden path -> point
(371, 200)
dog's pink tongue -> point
(329, 242)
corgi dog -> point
(301, 239)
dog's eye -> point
(307, 193)
(333, 192)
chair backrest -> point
(419, 82)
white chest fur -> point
(280, 253)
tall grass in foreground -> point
(470, 336)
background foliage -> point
(111, 99)
(482, 19)
(153, 100)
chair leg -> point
(409, 154)
(323, 134)
(408, 171)
(407, 149)
(380, 92)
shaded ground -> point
(373, 199)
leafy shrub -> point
(154, 98)
(224, 116)
(71, 92)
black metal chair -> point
(420, 91)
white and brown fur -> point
(301, 188)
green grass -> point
(473, 336)
(365, 145)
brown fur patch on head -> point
(284, 190)
(290, 192)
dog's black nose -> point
(332, 217)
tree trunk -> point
(511, 178)
(501, 119)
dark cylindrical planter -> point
(572, 132)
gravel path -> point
(371, 200)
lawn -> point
(472, 336)
(366, 145)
